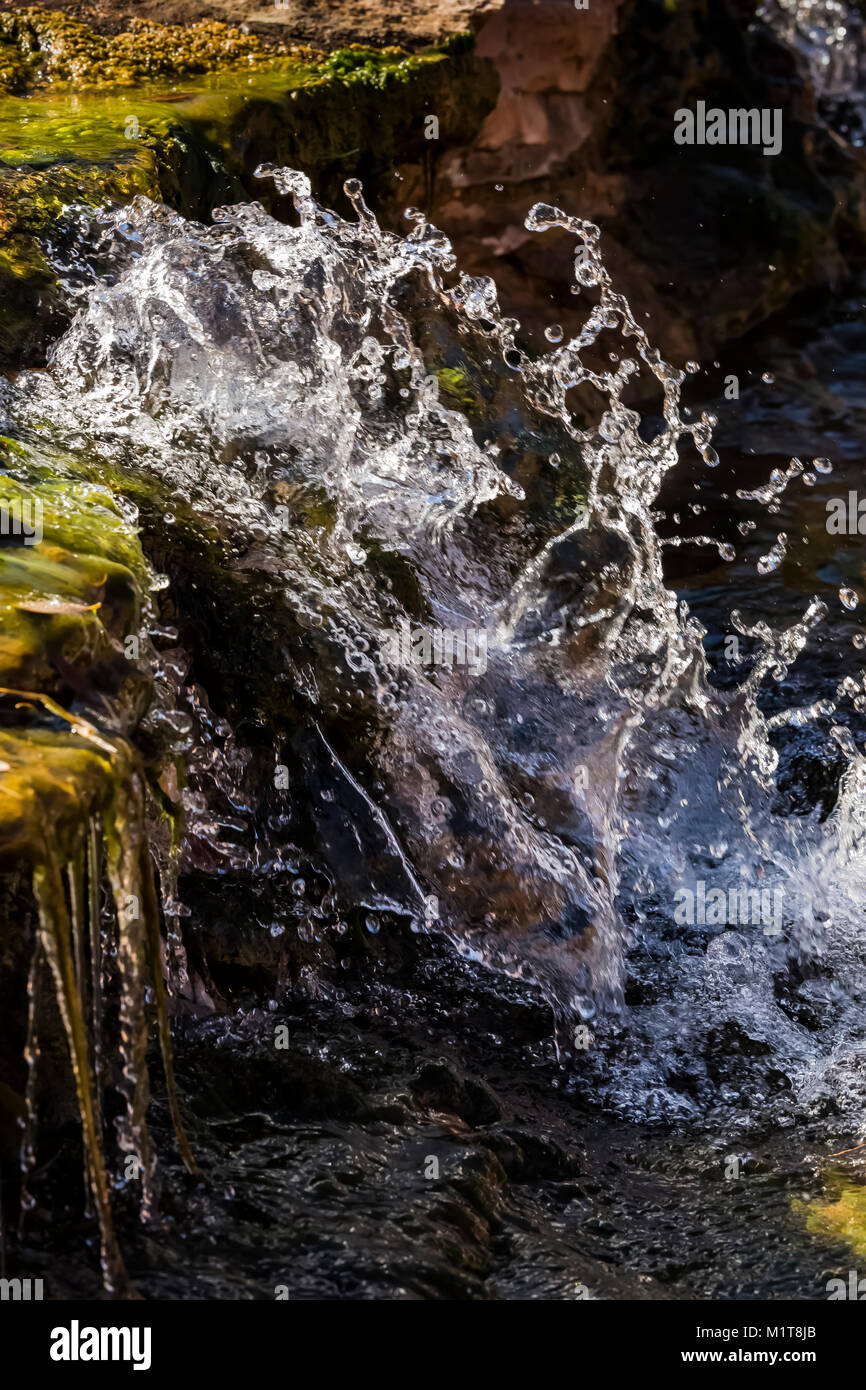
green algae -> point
(456, 384)
(70, 591)
(84, 97)
(59, 949)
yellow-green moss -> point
(70, 590)
(841, 1216)
(455, 383)
(46, 46)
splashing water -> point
(582, 808)
(829, 35)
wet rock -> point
(439, 1086)
(729, 1049)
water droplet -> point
(583, 1006)
(848, 598)
(586, 273)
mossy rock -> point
(40, 48)
(52, 783)
(73, 784)
(183, 115)
(73, 581)
(46, 46)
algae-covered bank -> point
(431, 692)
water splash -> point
(829, 36)
(378, 447)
